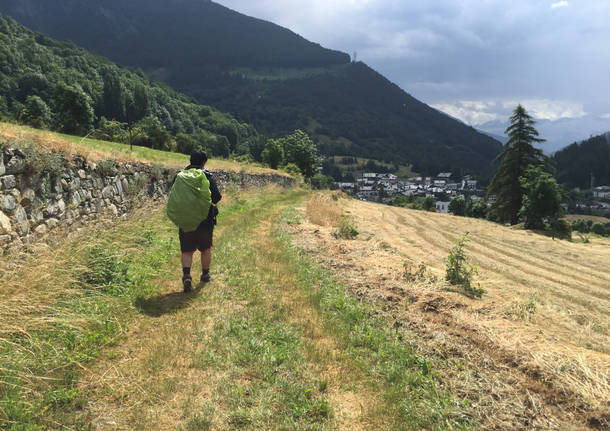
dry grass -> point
(324, 209)
(545, 315)
(95, 150)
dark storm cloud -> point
(471, 58)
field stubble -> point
(532, 353)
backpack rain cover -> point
(189, 200)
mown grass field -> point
(532, 352)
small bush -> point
(346, 228)
(599, 229)
(107, 168)
(459, 271)
(137, 186)
(39, 163)
(412, 272)
(293, 170)
(559, 228)
(156, 172)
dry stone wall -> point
(35, 200)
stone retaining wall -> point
(36, 199)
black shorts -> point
(201, 239)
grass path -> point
(274, 342)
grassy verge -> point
(408, 387)
(63, 307)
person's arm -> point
(216, 196)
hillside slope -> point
(532, 353)
(577, 162)
(57, 85)
(265, 75)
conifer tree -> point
(518, 154)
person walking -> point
(191, 194)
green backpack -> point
(189, 200)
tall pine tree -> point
(518, 154)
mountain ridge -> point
(348, 108)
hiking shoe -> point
(205, 278)
(187, 282)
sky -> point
(473, 59)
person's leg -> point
(206, 259)
(187, 261)
(187, 246)
(205, 246)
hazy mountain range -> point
(558, 133)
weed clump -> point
(347, 230)
(106, 271)
(137, 186)
(459, 270)
(413, 273)
(107, 168)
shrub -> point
(137, 185)
(581, 226)
(292, 169)
(412, 272)
(107, 167)
(156, 172)
(476, 209)
(559, 228)
(599, 229)
(321, 181)
(39, 163)
(428, 204)
(459, 271)
(346, 228)
(457, 206)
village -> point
(380, 187)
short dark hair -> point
(198, 158)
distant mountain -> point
(558, 133)
(265, 75)
(500, 138)
(578, 161)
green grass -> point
(110, 273)
(141, 153)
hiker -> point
(194, 190)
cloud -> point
(562, 3)
(605, 116)
(445, 52)
(544, 109)
(478, 112)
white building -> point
(442, 207)
(602, 192)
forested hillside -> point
(577, 162)
(265, 75)
(57, 85)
